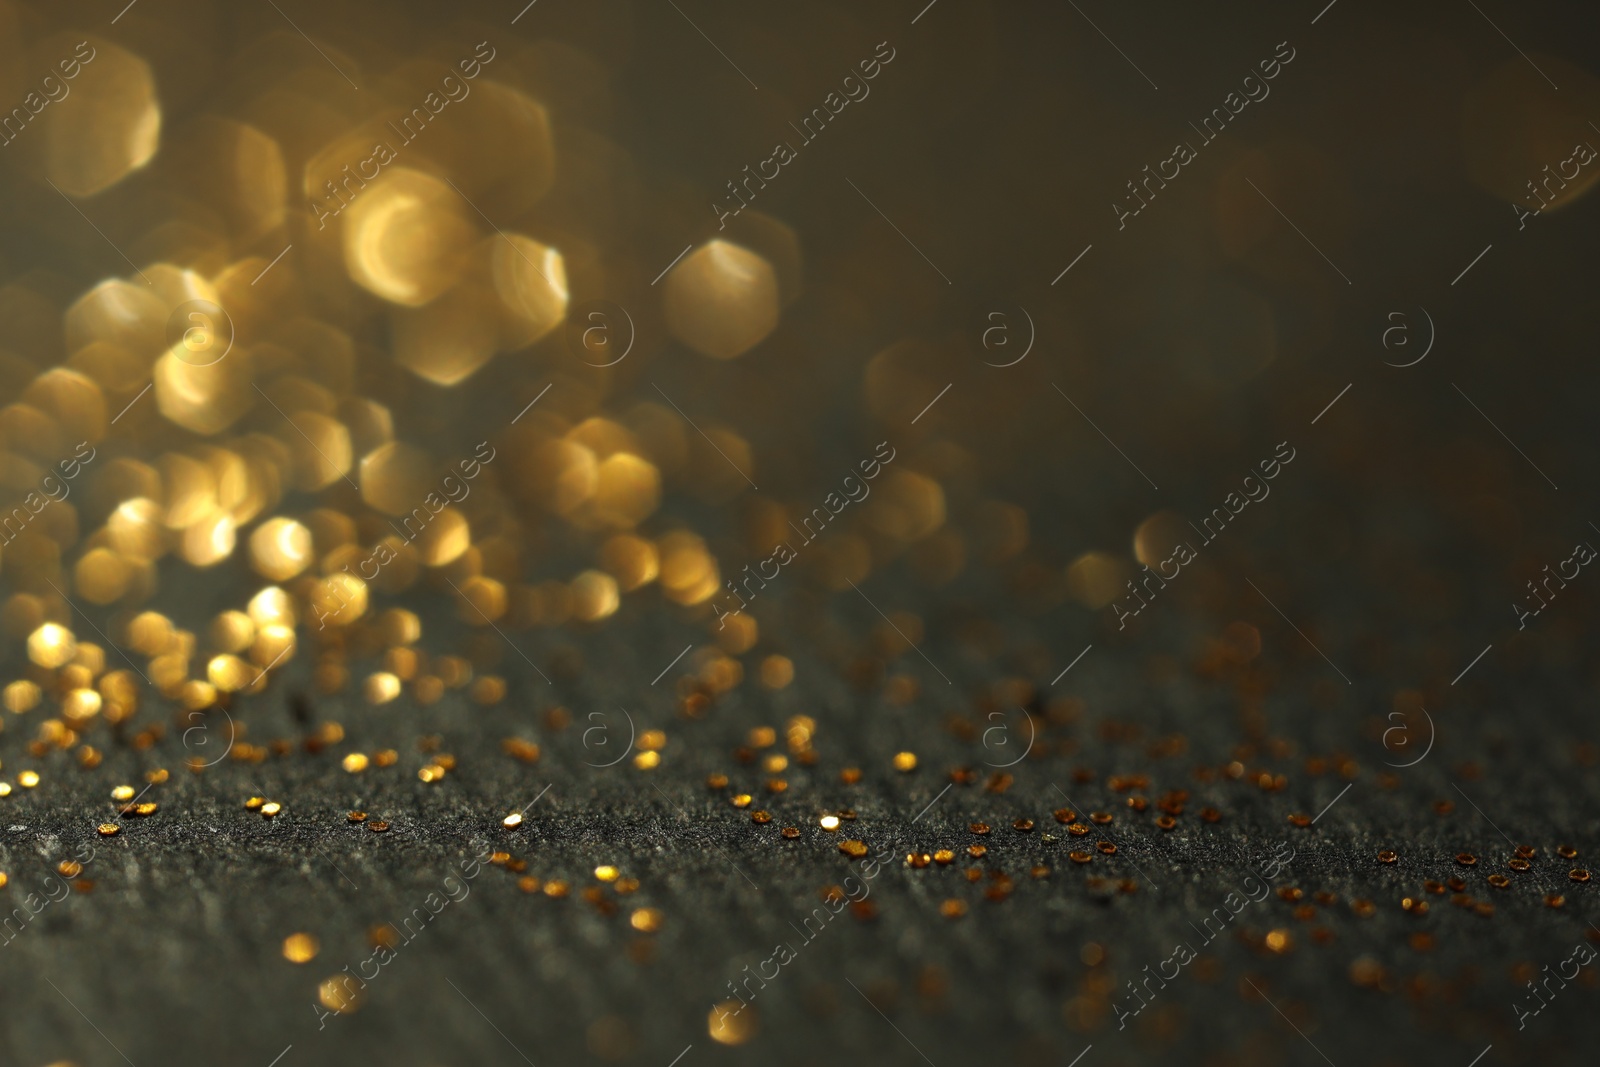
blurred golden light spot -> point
(339, 599)
(905, 761)
(594, 596)
(445, 539)
(829, 822)
(136, 529)
(204, 398)
(530, 285)
(209, 541)
(777, 672)
(483, 601)
(300, 948)
(627, 491)
(355, 762)
(721, 299)
(405, 235)
(80, 705)
(631, 560)
(732, 1022)
(271, 605)
(400, 627)
(28, 779)
(646, 920)
(51, 645)
(449, 338)
(113, 128)
(229, 673)
(1513, 128)
(20, 697)
(1095, 579)
(340, 993)
(319, 446)
(395, 477)
(232, 631)
(273, 645)
(906, 506)
(487, 689)
(647, 761)
(280, 548)
(380, 687)
(101, 576)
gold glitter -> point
(1517, 863)
(1387, 856)
(1065, 815)
(1077, 829)
(1080, 857)
(952, 908)
(147, 808)
(775, 763)
(1578, 874)
(1022, 826)
(850, 775)
(122, 792)
(271, 808)
(905, 761)
(431, 773)
(1101, 817)
(646, 920)
(28, 779)
(977, 851)
(555, 889)
(607, 873)
(1499, 881)
(761, 817)
(626, 885)
(512, 821)
(979, 828)
(528, 884)
(829, 822)
(357, 816)
(387, 758)
(741, 800)
(1466, 859)
(1279, 941)
(1364, 909)
(1164, 822)
(1107, 848)
(647, 761)
(378, 826)
(763, 737)
(853, 848)
(355, 762)
(918, 860)
(790, 832)
(716, 781)
(254, 803)
(109, 829)
(1566, 852)
(1551, 900)
(300, 948)
(5, 789)
(69, 868)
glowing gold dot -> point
(301, 948)
(28, 779)
(122, 792)
(829, 822)
(905, 761)
(732, 1022)
(355, 762)
(646, 920)
(607, 873)
(647, 761)
(512, 821)
(270, 809)
(381, 687)
(340, 993)
(109, 829)
(21, 696)
(51, 646)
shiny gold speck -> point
(905, 761)
(1107, 848)
(1166, 822)
(953, 908)
(528, 884)
(1387, 856)
(300, 948)
(1517, 863)
(1022, 826)
(69, 868)
(1566, 852)
(918, 860)
(357, 816)
(1080, 857)
(1578, 874)
(270, 809)
(944, 857)
(761, 817)
(732, 1022)
(378, 826)
(109, 829)
(5, 789)
(1499, 881)
(1456, 884)
(829, 823)
(499, 859)
(979, 828)
(1101, 817)
(716, 781)
(977, 851)
(555, 889)
(646, 920)
(147, 808)
(512, 821)
(853, 848)
(1300, 820)
(340, 994)
(3, 879)
(607, 873)
(625, 886)
(790, 832)
(647, 761)
(254, 803)
(1433, 887)
(741, 801)
(122, 792)
(1526, 852)
(1077, 829)
(1555, 900)
(1065, 815)
(355, 762)
(28, 779)
(1279, 941)
(850, 775)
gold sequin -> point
(300, 948)
(109, 829)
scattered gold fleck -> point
(853, 848)
(69, 868)
(742, 800)
(28, 779)
(761, 817)
(1499, 881)
(1101, 817)
(829, 822)
(953, 908)
(1517, 863)
(147, 808)
(716, 781)
(1022, 826)
(1279, 941)
(1551, 900)
(1078, 829)
(254, 803)
(512, 821)
(944, 857)
(646, 920)
(791, 832)
(607, 873)
(977, 851)
(1566, 852)
(378, 826)
(1300, 820)
(979, 828)
(357, 816)
(271, 808)
(1466, 859)
(555, 888)
(1065, 815)
(627, 885)
(300, 948)
(1107, 848)
(905, 761)
(1080, 857)
(647, 761)
(355, 762)
(918, 860)
(109, 829)
(122, 792)
(850, 775)
(1578, 874)
(528, 884)
(1388, 856)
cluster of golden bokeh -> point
(320, 276)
